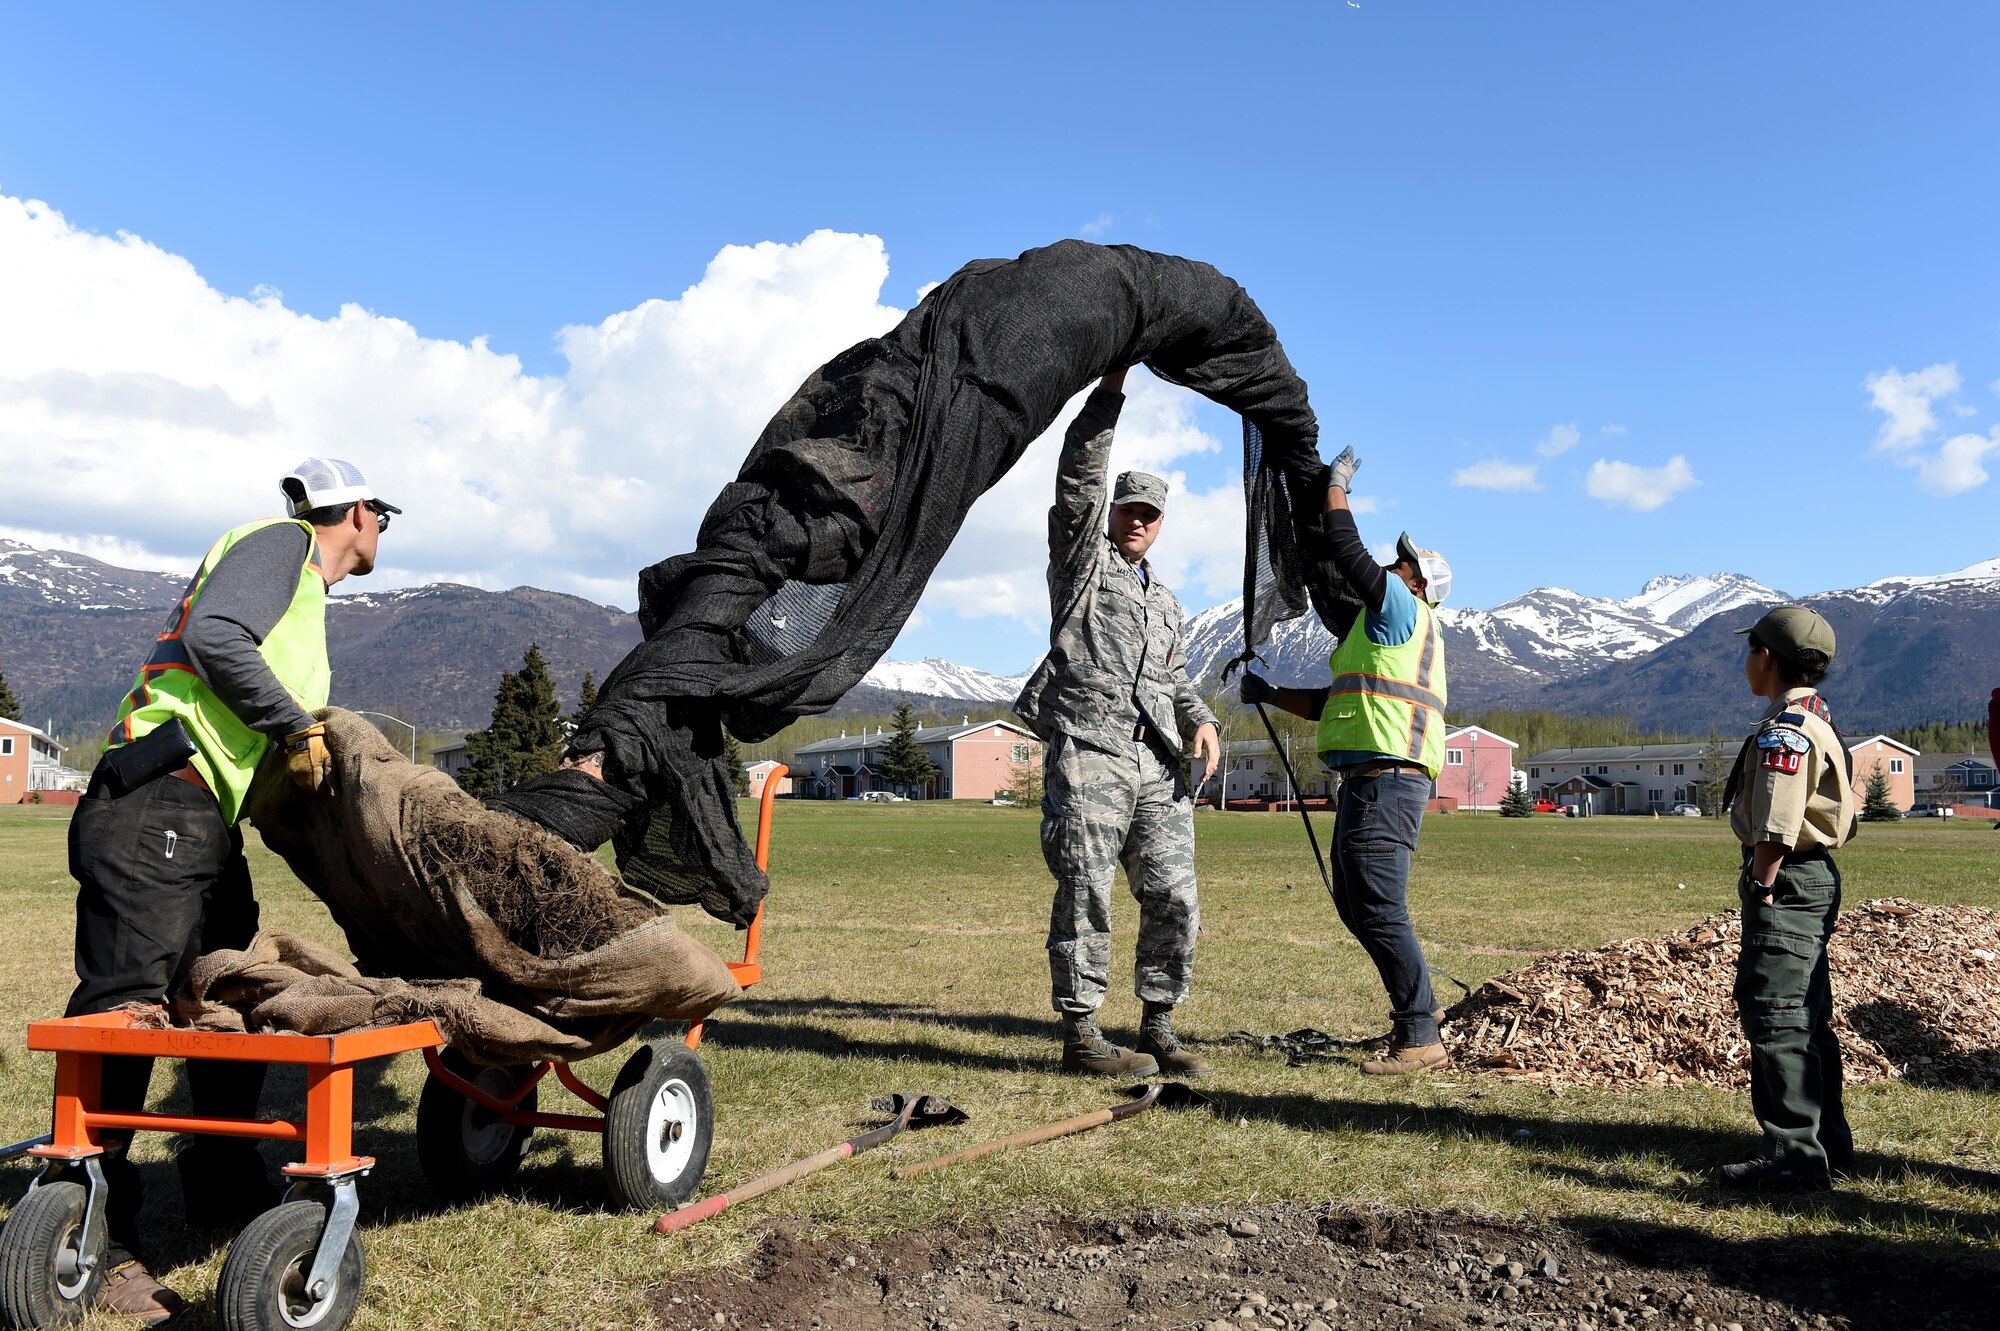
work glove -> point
(1343, 470)
(307, 759)
(1254, 690)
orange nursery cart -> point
(299, 1264)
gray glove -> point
(1254, 690)
(1343, 470)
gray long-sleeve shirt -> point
(246, 594)
(1116, 647)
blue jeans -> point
(1374, 835)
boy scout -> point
(1113, 703)
(1791, 802)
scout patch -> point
(1783, 750)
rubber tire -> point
(458, 1170)
(44, 1222)
(663, 1082)
(250, 1294)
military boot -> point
(1156, 1037)
(1086, 1051)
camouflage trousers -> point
(1100, 810)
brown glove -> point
(306, 757)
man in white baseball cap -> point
(239, 667)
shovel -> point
(1166, 1094)
(911, 1111)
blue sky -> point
(1684, 231)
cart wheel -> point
(462, 1148)
(263, 1281)
(657, 1128)
(43, 1281)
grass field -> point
(904, 951)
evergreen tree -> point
(1517, 802)
(903, 761)
(586, 694)
(10, 706)
(485, 771)
(524, 738)
(1025, 785)
(1714, 770)
(1877, 806)
(732, 759)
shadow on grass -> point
(1550, 1147)
(1869, 1282)
(1001, 1024)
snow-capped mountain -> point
(1974, 576)
(78, 582)
(1548, 634)
(935, 678)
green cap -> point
(1791, 631)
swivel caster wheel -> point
(268, 1280)
(50, 1267)
(657, 1128)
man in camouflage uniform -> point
(1791, 802)
(1113, 704)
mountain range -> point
(73, 629)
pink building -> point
(976, 760)
(760, 772)
(1478, 768)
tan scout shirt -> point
(1792, 779)
(1116, 649)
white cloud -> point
(1364, 504)
(142, 411)
(1957, 466)
(1497, 475)
(1559, 440)
(1642, 489)
(1096, 226)
(1907, 401)
(1618, 430)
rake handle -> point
(756, 1187)
(1097, 1118)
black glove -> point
(1254, 690)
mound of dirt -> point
(1916, 994)
(1287, 1267)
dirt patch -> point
(1916, 995)
(1286, 1267)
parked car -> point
(882, 797)
(1932, 811)
(1547, 806)
(1686, 811)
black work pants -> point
(161, 879)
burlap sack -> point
(430, 885)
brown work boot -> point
(129, 1290)
(1404, 1059)
(1156, 1037)
(1086, 1051)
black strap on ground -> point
(1311, 835)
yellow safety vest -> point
(1388, 700)
(227, 751)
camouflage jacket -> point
(1115, 639)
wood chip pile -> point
(1916, 994)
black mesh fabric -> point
(809, 563)
(1286, 563)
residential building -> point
(451, 759)
(760, 772)
(1478, 768)
(31, 760)
(976, 761)
(1958, 778)
(1894, 759)
(1627, 778)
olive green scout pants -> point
(1785, 1001)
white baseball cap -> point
(1437, 573)
(325, 482)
